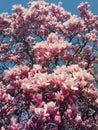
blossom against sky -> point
(69, 5)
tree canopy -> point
(48, 68)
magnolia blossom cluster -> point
(92, 36)
(56, 98)
(46, 51)
(90, 21)
(47, 74)
(56, 49)
(73, 25)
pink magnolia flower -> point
(58, 118)
(14, 125)
(59, 96)
(78, 119)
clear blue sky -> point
(69, 5)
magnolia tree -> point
(47, 77)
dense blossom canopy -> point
(47, 77)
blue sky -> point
(69, 5)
